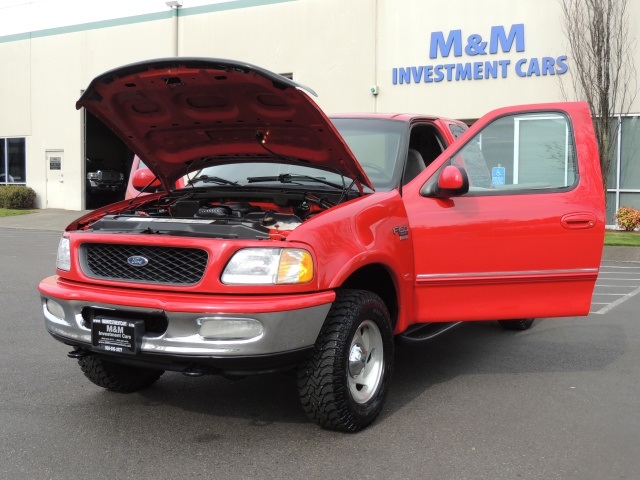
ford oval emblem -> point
(137, 261)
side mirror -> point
(451, 182)
(144, 177)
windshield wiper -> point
(212, 179)
(288, 178)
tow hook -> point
(79, 352)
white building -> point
(458, 59)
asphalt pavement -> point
(558, 401)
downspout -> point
(375, 56)
(175, 14)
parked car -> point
(304, 242)
(101, 179)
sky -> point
(22, 16)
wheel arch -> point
(376, 278)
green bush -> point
(17, 196)
(628, 218)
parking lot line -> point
(617, 302)
(619, 284)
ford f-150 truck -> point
(277, 238)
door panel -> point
(526, 240)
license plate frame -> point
(117, 335)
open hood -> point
(183, 114)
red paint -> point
(460, 258)
(168, 114)
(65, 289)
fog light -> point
(55, 308)
(230, 329)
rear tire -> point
(516, 325)
(117, 377)
(343, 385)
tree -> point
(603, 73)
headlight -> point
(265, 266)
(63, 260)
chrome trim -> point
(507, 274)
(283, 331)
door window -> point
(520, 153)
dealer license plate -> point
(115, 335)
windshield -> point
(243, 173)
(374, 142)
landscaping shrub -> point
(17, 197)
(628, 218)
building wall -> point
(404, 40)
(340, 49)
(327, 44)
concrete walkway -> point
(48, 219)
(56, 220)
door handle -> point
(578, 221)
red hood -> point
(182, 114)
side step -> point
(425, 331)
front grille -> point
(167, 265)
(108, 176)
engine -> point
(245, 220)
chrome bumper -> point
(282, 331)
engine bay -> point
(229, 216)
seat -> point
(415, 165)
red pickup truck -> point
(307, 242)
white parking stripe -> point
(606, 287)
(618, 302)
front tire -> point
(117, 377)
(344, 383)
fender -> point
(366, 231)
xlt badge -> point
(402, 231)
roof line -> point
(147, 17)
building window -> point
(12, 161)
(623, 184)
